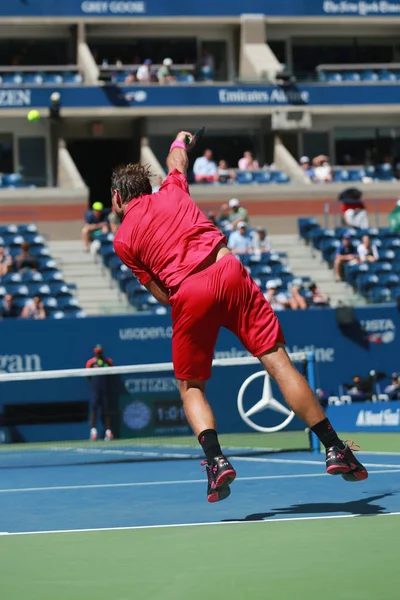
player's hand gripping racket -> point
(191, 143)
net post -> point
(314, 441)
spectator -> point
(114, 221)
(232, 213)
(34, 309)
(247, 162)
(206, 67)
(296, 299)
(5, 261)
(367, 252)
(344, 253)
(143, 74)
(393, 389)
(318, 298)
(354, 213)
(260, 240)
(131, 78)
(164, 73)
(95, 224)
(224, 174)
(8, 310)
(277, 300)
(101, 392)
(322, 169)
(25, 260)
(204, 168)
(306, 167)
(394, 219)
(240, 241)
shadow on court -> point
(363, 506)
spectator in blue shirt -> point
(95, 224)
(240, 241)
(305, 165)
(344, 253)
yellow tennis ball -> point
(33, 115)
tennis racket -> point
(197, 136)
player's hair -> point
(131, 181)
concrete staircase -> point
(96, 292)
(304, 261)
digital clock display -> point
(167, 414)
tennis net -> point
(45, 415)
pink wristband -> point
(178, 144)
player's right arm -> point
(178, 158)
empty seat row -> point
(40, 78)
(382, 172)
(359, 75)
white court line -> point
(175, 525)
(301, 462)
(173, 482)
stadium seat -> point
(17, 290)
(39, 289)
(389, 280)
(379, 295)
(244, 177)
(366, 282)
(12, 79)
(49, 303)
(29, 228)
(350, 76)
(368, 75)
(305, 225)
(60, 289)
(386, 75)
(67, 303)
(261, 176)
(53, 78)
(32, 78)
(333, 77)
(385, 173)
(340, 175)
(29, 276)
(11, 278)
(11, 179)
(72, 78)
(356, 174)
(186, 78)
(279, 177)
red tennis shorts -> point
(223, 295)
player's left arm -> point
(178, 158)
(156, 289)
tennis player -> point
(183, 260)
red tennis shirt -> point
(164, 235)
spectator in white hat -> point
(232, 213)
(277, 300)
(305, 165)
(164, 73)
(240, 241)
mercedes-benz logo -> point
(267, 402)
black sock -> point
(208, 440)
(326, 434)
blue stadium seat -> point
(11, 278)
(67, 303)
(389, 280)
(47, 264)
(12, 79)
(350, 76)
(356, 174)
(385, 173)
(28, 277)
(340, 175)
(352, 272)
(11, 179)
(261, 176)
(60, 289)
(17, 290)
(318, 236)
(119, 76)
(52, 276)
(29, 228)
(333, 77)
(186, 78)
(4, 229)
(244, 177)
(49, 303)
(368, 75)
(3, 291)
(72, 78)
(53, 78)
(32, 78)
(386, 75)
(366, 282)
(395, 291)
(279, 177)
(380, 267)
(370, 171)
(114, 261)
(39, 289)
(379, 294)
(385, 255)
